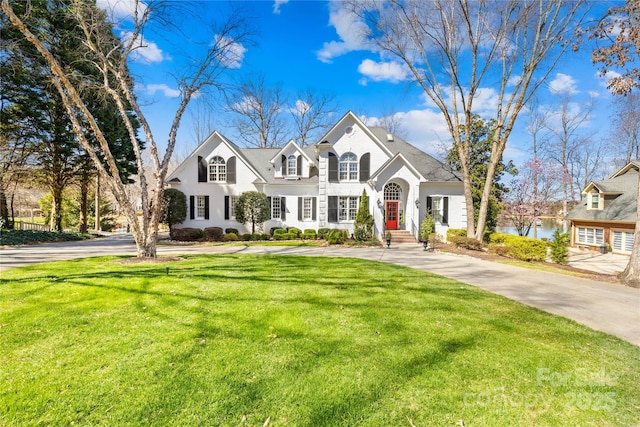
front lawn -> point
(235, 340)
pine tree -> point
(363, 225)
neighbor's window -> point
(595, 201)
(623, 241)
(348, 167)
(347, 208)
(275, 207)
(590, 236)
(200, 207)
(217, 169)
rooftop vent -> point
(389, 137)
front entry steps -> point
(401, 236)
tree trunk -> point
(55, 221)
(84, 188)
(631, 274)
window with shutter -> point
(231, 170)
(333, 167)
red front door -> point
(391, 215)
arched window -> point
(348, 167)
(292, 165)
(217, 169)
(392, 191)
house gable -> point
(291, 162)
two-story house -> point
(320, 185)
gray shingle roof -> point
(259, 159)
(431, 168)
(622, 208)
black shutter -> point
(206, 207)
(314, 202)
(429, 205)
(192, 207)
(365, 162)
(333, 167)
(226, 207)
(202, 169)
(231, 170)
(299, 165)
(445, 210)
(270, 208)
(300, 208)
(283, 208)
(284, 165)
(333, 209)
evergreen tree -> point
(253, 207)
(480, 154)
(363, 225)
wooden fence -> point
(21, 225)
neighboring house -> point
(606, 215)
(320, 185)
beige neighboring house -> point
(606, 215)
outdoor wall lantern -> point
(418, 203)
(380, 203)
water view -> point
(545, 228)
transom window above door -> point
(392, 191)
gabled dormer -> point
(291, 162)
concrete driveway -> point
(606, 307)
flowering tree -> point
(524, 205)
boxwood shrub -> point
(265, 236)
(456, 232)
(231, 230)
(322, 233)
(230, 237)
(274, 229)
(309, 234)
(246, 237)
(335, 237)
(296, 232)
(187, 234)
(213, 234)
(519, 247)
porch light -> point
(380, 203)
(417, 203)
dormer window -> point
(595, 201)
(292, 165)
(217, 169)
(348, 167)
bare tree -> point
(535, 128)
(108, 55)
(620, 30)
(312, 115)
(567, 139)
(258, 113)
(626, 128)
(452, 48)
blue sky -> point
(316, 44)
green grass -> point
(232, 340)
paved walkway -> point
(606, 307)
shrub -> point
(322, 233)
(279, 231)
(256, 237)
(230, 237)
(453, 232)
(187, 234)
(295, 232)
(501, 250)
(273, 230)
(281, 236)
(427, 227)
(466, 242)
(498, 238)
(231, 230)
(213, 234)
(559, 247)
(265, 236)
(335, 237)
(309, 234)
(363, 224)
(246, 237)
(519, 247)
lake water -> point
(545, 230)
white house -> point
(320, 185)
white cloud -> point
(605, 77)
(300, 108)
(166, 90)
(121, 9)
(353, 33)
(231, 52)
(144, 51)
(277, 4)
(563, 83)
(382, 71)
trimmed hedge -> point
(465, 242)
(335, 237)
(231, 231)
(246, 237)
(456, 232)
(322, 233)
(279, 231)
(294, 232)
(213, 234)
(274, 229)
(309, 234)
(519, 247)
(187, 234)
(230, 237)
